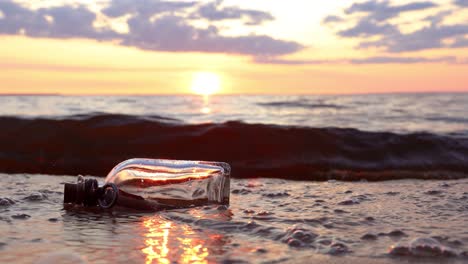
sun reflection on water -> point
(167, 242)
(206, 105)
(206, 110)
(194, 251)
(157, 239)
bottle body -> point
(155, 184)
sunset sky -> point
(255, 46)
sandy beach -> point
(268, 221)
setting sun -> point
(206, 83)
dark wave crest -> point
(94, 144)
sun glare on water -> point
(206, 83)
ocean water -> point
(352, 137)
(401, 113)
(330, 179)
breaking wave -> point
(93, 144)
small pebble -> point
(348, 202)
(433, 192)
(241, 191)
(338, 249)
(35, 197)
(369, 237)
(396, 233)
(423, 247)
(298, 236)
(264, 213)
(305, 237)
(339, 211)
(275, 195)
(294, 242)
(6, 201)
(251, 225)
(20, 216)
(325, 242)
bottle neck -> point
(86, 192)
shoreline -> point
(268, 220)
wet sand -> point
(268, 221)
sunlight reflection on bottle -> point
(167, 242)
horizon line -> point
(231, 94)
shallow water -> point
(268, 221)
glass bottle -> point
(155, 184)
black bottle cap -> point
(87, 192)
(69, 192)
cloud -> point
(377, 13)
(280, 61)
(71, 22)
(463, 3)
(143, 8)
(172, 33)
(367, 28)
(153, 25)
(374, 29)
(382, 10)
(332, 19)
(403, 60)
(368, 60)
(427, 38)
(213, 11)
(460, 42)
(55, 22)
